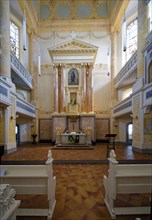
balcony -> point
(147, 95)
(127, 74)
(25, 108)
(4, 93)
(123, 108)
(20, 76)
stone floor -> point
(79, 173)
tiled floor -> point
(79, 190)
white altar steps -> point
(73, 147)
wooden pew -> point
(126, 179)
(32, 179)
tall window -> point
(149, 15)
(14, 39)
(131, 38)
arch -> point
(150, 72)
(129, 132)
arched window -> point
(131, 38)
(14, 39)
(150, 72)
(149, 15)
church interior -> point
(76, 79)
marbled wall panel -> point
(102, 128)
(87, 124)
(45, 127)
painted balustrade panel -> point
(123, 107)
(25, 108)
(20, 70)
(4, 92)
(126, 70)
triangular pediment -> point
(73, 48)
(74, 44)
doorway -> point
(17, 131)
(129, 132)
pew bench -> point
(126, 179)
(32, 180)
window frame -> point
(17, 53)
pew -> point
(126, 179)
(32, 180)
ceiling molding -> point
(73, 51)
(31, 18)
(118, 13)
(75, 25)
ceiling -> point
(74, 9)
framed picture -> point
(73, 77)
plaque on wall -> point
(73, 77)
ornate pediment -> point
(73, 51)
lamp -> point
(39, 64)
(24, 31)
(124, 33)
(108, 56)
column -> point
(141, 142)
(113, 65)
(142, 32)
(33, 63)
(87, 88)
(113, 73)
(5, 38)
(55, 72)
(83, 73)
(60, 89)
(90, 89)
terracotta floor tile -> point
(79, 189)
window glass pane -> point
(131, 38)
(130, 131)
(14, 39)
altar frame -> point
(75, 139)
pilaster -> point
(83, 109)
(142, 32)
(60, 89)
(5, 38)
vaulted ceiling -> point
(80, 14)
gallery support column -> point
(142, 32)
(113, 65)
(5, 38)
(33, 63)
(113, 72)
(5, 71)
(141, 142)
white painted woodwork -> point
(33, 179)
(126, 178)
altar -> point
(74, 139)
